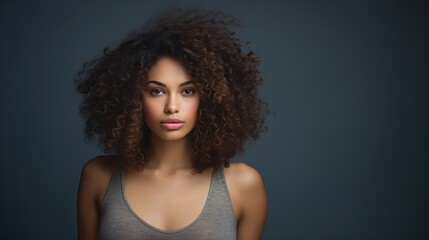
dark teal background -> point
(345, 156)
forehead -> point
(168, 70)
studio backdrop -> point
(346, 152)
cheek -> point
(193, 108)
(150, 110)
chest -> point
(167, 210)
(167, 204)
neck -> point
(168, 157)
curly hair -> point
(226, 77)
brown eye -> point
(156, 92)
(188, 92)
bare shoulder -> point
(94, 181)
(243, 176)
(249, 199)
(100, 164)
(245, 185)
(96, 175)
(98, 168)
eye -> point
(188, 92)
(156, 91)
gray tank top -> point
(216, 220)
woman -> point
(174, 102)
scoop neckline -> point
(124, 197)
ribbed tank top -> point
(215, 221)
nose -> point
(171, 106)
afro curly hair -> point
(226, 77)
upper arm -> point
(91, 185)
(253, 202)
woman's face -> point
(170, 100)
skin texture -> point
(173, 194)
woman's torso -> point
(210, 213)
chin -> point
(173, 135)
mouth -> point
(172, 124)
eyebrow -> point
(163, 85)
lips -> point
(172, 124)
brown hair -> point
(226, 77)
